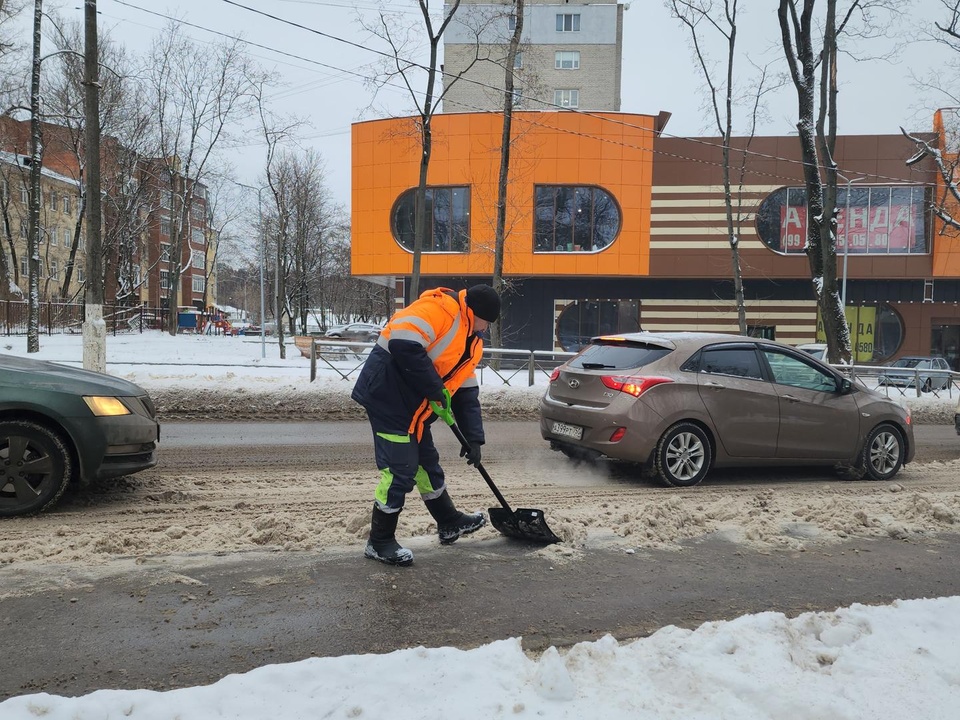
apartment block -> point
(570, 56)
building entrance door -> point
(945, 341)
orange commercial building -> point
(613, 227)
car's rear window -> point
(612, 355)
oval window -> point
(448, 219)
(574, 218)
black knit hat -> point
(484, 302)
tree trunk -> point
(496, 331)
(33, 239)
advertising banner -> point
(862, 323)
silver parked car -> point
(682, 403)
(931, 373)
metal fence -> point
(56, 318)
(896, 382)
(511, 367)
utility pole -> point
(94, 328)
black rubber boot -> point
(383, 545)
(451, 523)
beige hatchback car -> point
(682, 403)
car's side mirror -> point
(844, 386)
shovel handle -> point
(483, 471)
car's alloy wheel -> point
(35, 467)
(683, 455)
(882, 453)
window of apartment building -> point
(566, 98)
(197, 260)
(54, 270)
(165, 226)
(517, 99)
(518, 61)
(164, 279)
(53, 236)
(54, 200)
(164, 252)
(24, 230)
(24, 267)
(197, 236)
(81, 243)
(24, 194)
(199, 283)
(568, 22)
(199, 192)
(569, 218)
(67, 237)
(448, 215)
(566, 60)
(81, 276)
(66, 205)
(512, 23)
(874, 220)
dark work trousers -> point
(404, 463)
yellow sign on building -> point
(862, 323)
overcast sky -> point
(326, 86)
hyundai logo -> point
(574, 383)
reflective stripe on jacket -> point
(425, 347)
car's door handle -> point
(791, 398)
(711, 383)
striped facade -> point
(668, 265)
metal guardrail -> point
(506, 364)
(903, 380)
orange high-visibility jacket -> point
(426, 346)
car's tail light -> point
(635, 386)
(555, 374)
(618, 434)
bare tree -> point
(125, 125)
(944, 150)
(811, 43)
(721, 19)
(500, 236)
(35, 198)
(198, 94)
(402, 40)
(275, 223)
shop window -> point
(571, 218)
(584, 319)
(876, 331)
(767, 332)
(874, 220)
(448, 219)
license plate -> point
(572, 431)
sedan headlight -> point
(105, 406)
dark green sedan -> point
(60, 424)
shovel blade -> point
(523, 524)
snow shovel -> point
(523, 523)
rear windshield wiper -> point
(597, 366)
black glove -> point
(472, 453)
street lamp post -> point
(263, 319)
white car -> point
(818, 350)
